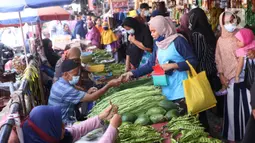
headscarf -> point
(51, 56)
(107, 36)
(48, 120)
(246, 36)
(93, 34)
(198, 22)
(165, 28)
(184, 27)
(225, 57)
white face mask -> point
(131, 31)
(193, 6)
(146, 13)
(230, 27)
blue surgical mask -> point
(160, 38)
(230, 27)
(131, 31)
(75, 80)
(146, 13)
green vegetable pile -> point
(116, 69)
(100, 55)
(134, 100)
(130, 133)
(131, 84)
(190, 129)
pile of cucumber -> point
(164, 111)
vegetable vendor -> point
(63, 92)
(170, 52)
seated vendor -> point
(44, 125)
(73, 54)
(64, 94)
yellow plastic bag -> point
(198, 92)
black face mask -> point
(106, 28)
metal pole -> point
(23, 39)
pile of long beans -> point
(134, 100)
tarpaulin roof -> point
(19, 5)
(34, 15)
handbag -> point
(198, 92)
(249, 73)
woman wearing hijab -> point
(109, 40)
(203, 42)
(51, 56)
(141, 43)
(184, 27)
(93, 34)
(171, 52)
(44, 125)
(237, 109)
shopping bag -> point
(198, 92)
(249, 73)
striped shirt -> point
(65, 95)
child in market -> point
(245, 38)
(109, 40)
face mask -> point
(105, 28)
(131, 31)
(230, 27)
(75, 80)
(160, 38)
(146, 13)
(193, 6)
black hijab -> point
(51, 56)
(198, 22)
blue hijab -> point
(48, 119)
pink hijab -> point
(247, 37)
(166, 28)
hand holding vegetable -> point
(116, 121)
(92, 90)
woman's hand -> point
(104, 115)
(116, 121)
(167, 67)
(126, 77)
(92, 90)
(131, 38)
(251, 54)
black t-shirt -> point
(135, 53)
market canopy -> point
(34, 15)
(20, 5)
